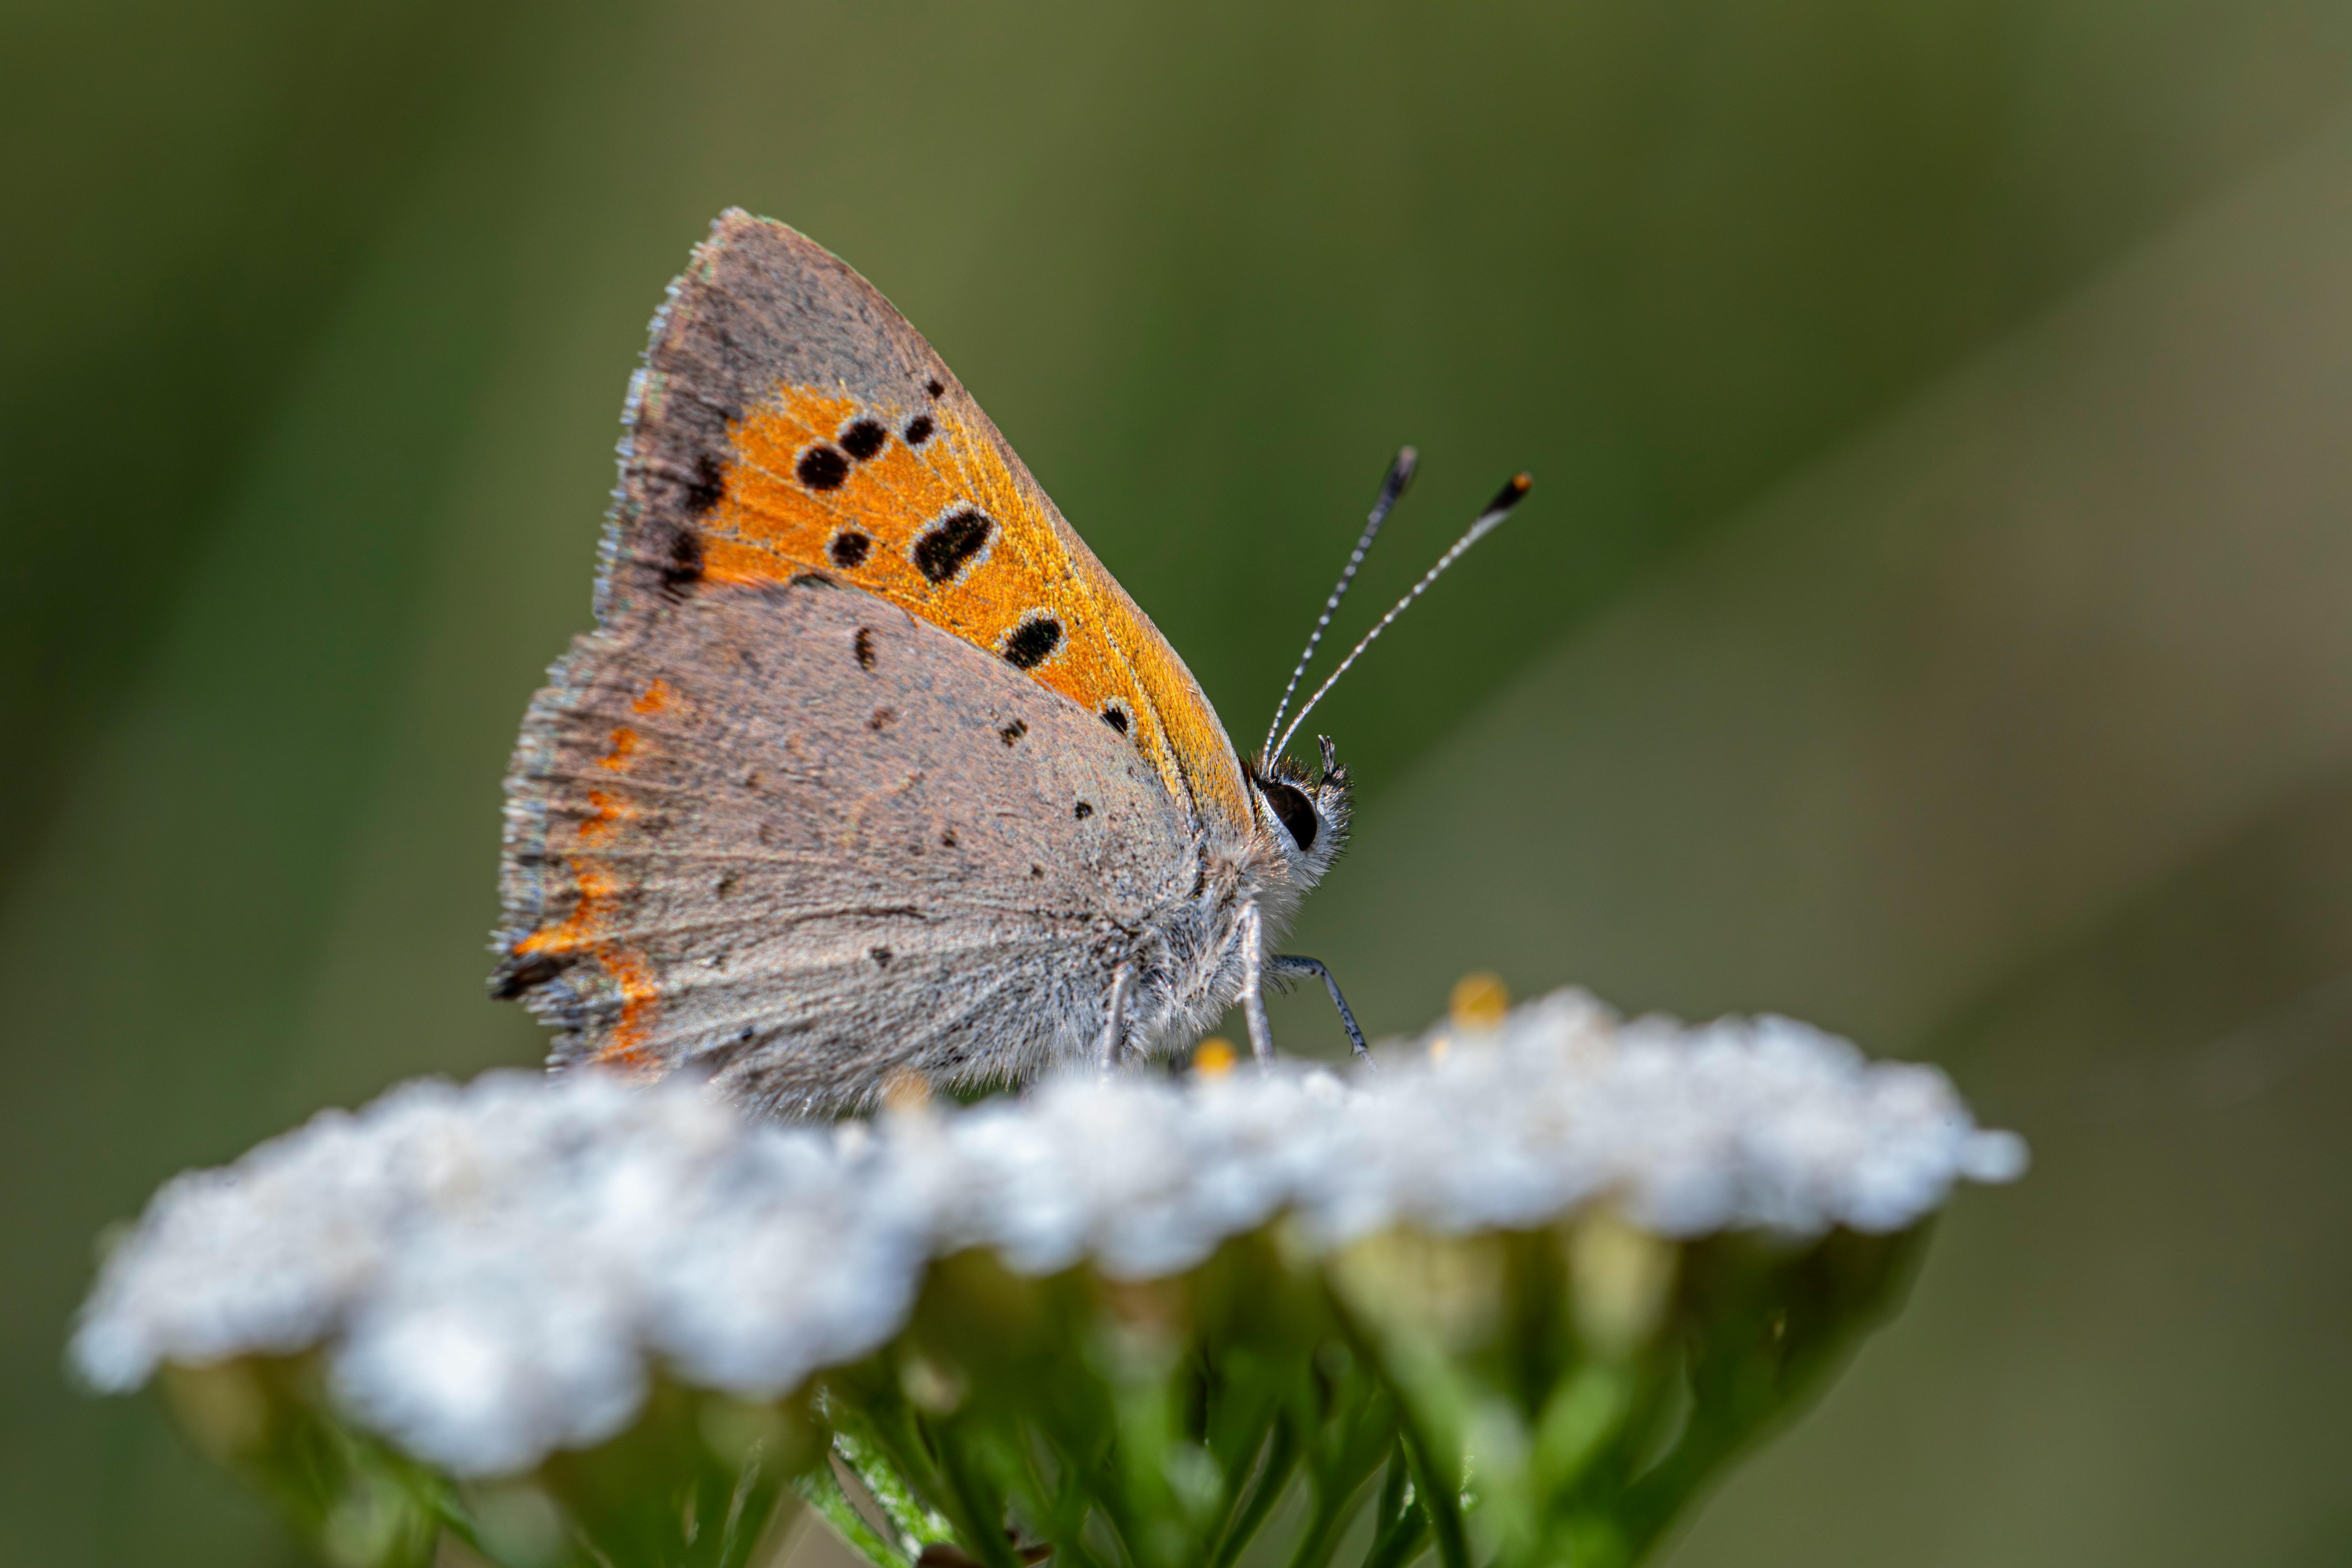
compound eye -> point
(1293, 809)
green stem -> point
(1322, 1535)
(1264, 1490)
(1398, 1525)
(1399, 1539)
(898, 1472)
(1347, 1461)
(1064, 1506)
(1441, 1502)
(821, 1490)
(1438, 1500)
(979, 1510)
(1391, 1506)
(750, 1506)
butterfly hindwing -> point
(795, 838)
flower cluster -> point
(486, 1275)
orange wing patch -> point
(915, 506)
(587, 931)
(583, 932)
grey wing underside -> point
(798, 841)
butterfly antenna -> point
(1393, 489)
(1509, 496)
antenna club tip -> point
(1510, 495)
(1401, 472)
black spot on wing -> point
(1085, 811)
(849, 547)
(527, 972)
(1114, 716)
(684, 567)
(864, 439)
(1032, 642)
(880, 955)
(707, 488)
(947, 547)
(1013, 731)
(935, 386)
(863, 647)
(822, 467)
(918, 430)
(881, 720)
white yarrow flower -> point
(493, 1271)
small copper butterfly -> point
(870, 769)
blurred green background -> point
(1930, 619)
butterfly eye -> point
(1296, 811)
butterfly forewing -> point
(789, 421)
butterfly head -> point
(1305, 816)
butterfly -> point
(870, 769)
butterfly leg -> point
(1114, 1035)
(1292, 963)
(1252, 936)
